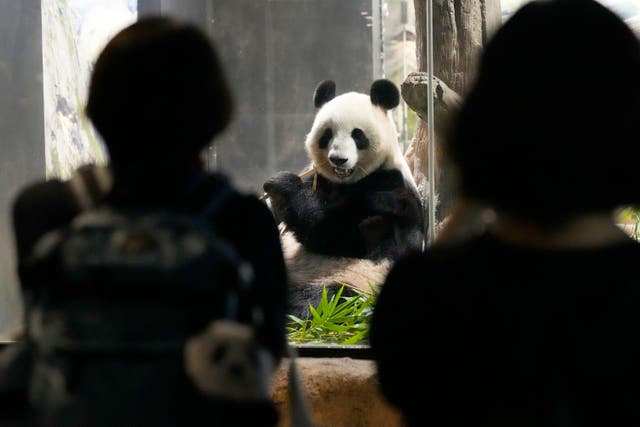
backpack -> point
(118, 294)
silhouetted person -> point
(158, 96)
(535, 322)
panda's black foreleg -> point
(293, 204)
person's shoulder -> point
(245, 207)
(41, 193)
(38, 208)
(441, 260)
(463, 245)
(404, 273)
(45, 202)
(86, 187)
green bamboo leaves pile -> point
(337, 320)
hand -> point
(283, 185)
(280, 188)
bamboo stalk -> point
(301, 175)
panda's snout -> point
(337, 161)
(342, 159)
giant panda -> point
(349, 220)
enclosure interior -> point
(275, 52)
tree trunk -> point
(460, 30)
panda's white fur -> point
(309, 269)
(355, 110)
(342, 114)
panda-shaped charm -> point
(347, 222)
(225, 361)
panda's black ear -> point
(384, 94)
(325, 92)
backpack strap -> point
(218, 199)
(90, 184)
(244, 269)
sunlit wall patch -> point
(73, 34)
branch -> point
(414, 92)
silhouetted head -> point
(549, 130)
(158, 93)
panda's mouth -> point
(342, 172)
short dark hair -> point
(158, 87)
(549, 128)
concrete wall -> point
(21, 132)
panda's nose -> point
(338, 161)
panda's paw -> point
(283, 185)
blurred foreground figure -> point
(535, 321)
(107, 351)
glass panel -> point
(275, 53)
(271, 50)
(276, 63)
(460, 30)
(20, 133)
(46, 52)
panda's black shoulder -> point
(384, 180)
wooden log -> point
(414, 91)
(460, 29)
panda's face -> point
(350, 138)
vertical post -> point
(431, 161)
(404, 18)
(271, 70)
(212, 149)
(376, 42)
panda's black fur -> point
(375, 218)
(360, 211)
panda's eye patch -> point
(360, 138)
(325, 138)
